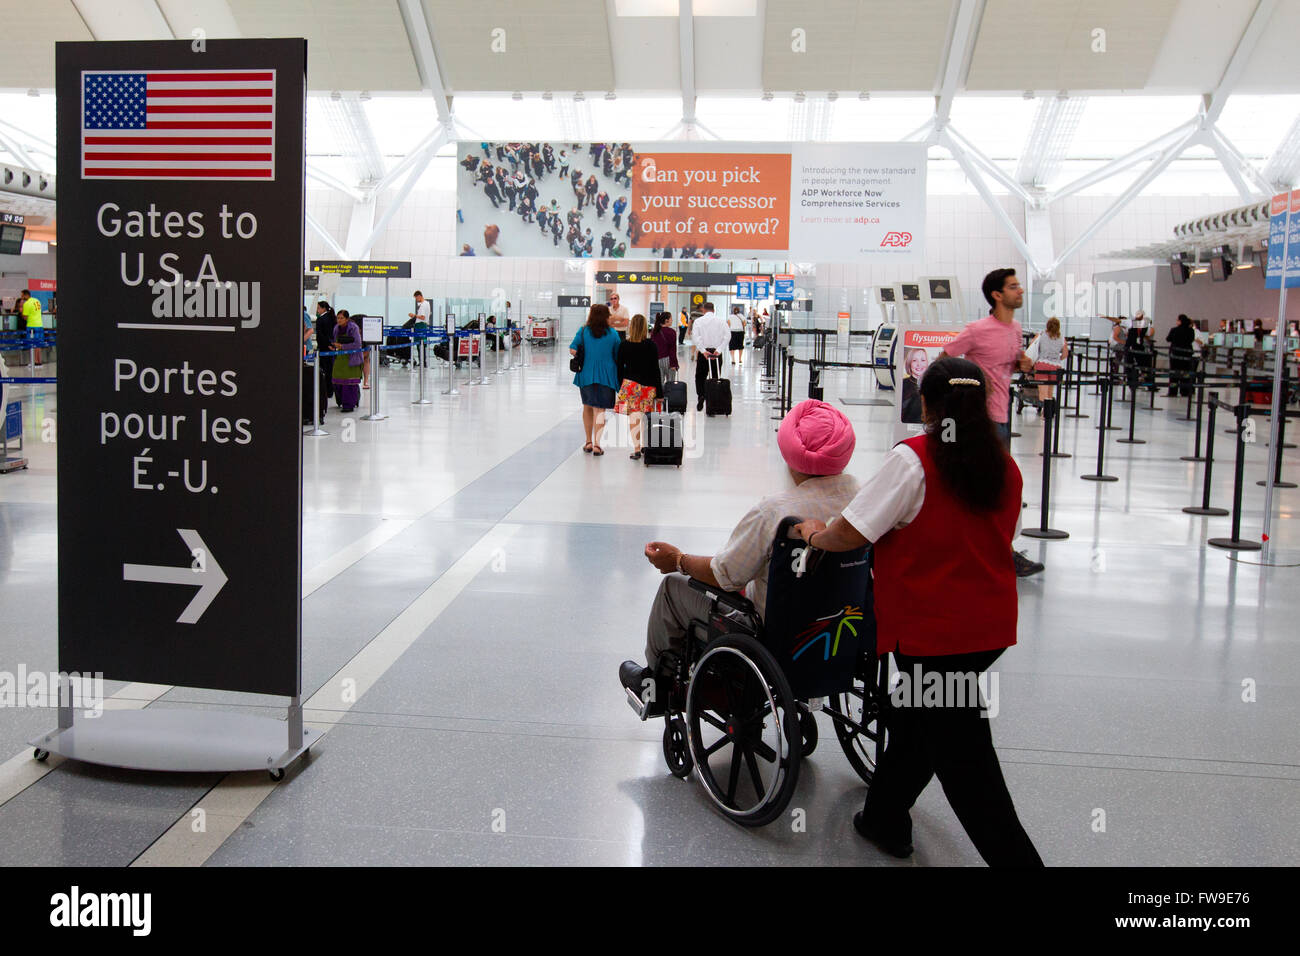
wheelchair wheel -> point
(860, 705)
(743, 725)
(677, 748)
(808, 730)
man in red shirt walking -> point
(995, 344)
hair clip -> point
(963, 381)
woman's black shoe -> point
(893, 848)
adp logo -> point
(896, 239)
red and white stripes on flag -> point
(178, 125)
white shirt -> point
(710, 332)
(422, 311)
(620, 318)
(892, 497)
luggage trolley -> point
(738, 703)
(541, 331)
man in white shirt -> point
(710, 336)
(421, 313)
(619, 317)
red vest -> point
(946, 583)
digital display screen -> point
(911, 292)
(886, 294)
(11, 239)
(1176, 270)
(884, 334)
(940, 289)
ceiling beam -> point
(1216, 100)
(948, 142)
(1116, 166)
(952, 135)
(321, 231)
(426, 58)
(1055, 120)
(965, 25)
(1282, 171)
(326, 179)
(1158, 166)
(1258, 181)
(441, 138)
(686, 44)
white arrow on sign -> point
(208, 576)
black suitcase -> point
(717, 392)
(664, 439)
(675, 397)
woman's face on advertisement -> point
(917, 364)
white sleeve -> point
(890, 498)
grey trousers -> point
(675, 606)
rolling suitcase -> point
(664, 439)
(675, 397)
(717, 392)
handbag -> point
(575, 363)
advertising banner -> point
(180, 442)
(920, 349)
(784, 288)
(842, 202)
(1284, 218)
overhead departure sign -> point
(362, 269)
(573, 301)
(698, 279)
(180, 448)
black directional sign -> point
(573, 301)
(697, 279)
(180, 211)
(363, 268)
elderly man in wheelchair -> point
(737, 678)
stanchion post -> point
(375, 415)
(1132, 414)
(1204, 507)
(1103, 403)
(1043, 531)
(1281, 444)
(452, 347)
(1235, 543)
(1199, 387)
(422, 349)
(316, 430)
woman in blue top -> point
(598, 381)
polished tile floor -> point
(477, 579)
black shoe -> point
(699, 406)
(898, 849)
(1024, 566)
(633, 676)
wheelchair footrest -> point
(636, 703)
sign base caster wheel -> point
(277, 775)
(40, 756)
(677, 750)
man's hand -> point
(806, 529)
(1025, 362)
(663, 556)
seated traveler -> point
(816, 441)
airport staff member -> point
(940, 513)
(31, 310)
(710, 336)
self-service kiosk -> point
(882, 345)
(941, 301)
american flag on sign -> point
(178, 124)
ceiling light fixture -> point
(832, 96)
(611, 95)
(578, 97)
(363, 96)
(1029, 94)
(548, 96)
(799, 96)
(864, 95)
(516, 96)
(767, 96)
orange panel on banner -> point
(723, 200)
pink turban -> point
(816, 438)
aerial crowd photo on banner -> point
(690, 201)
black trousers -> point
(955, 744)
(702, 373)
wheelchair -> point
(740, 698)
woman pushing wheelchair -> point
(940, 514)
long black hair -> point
(963, 441)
